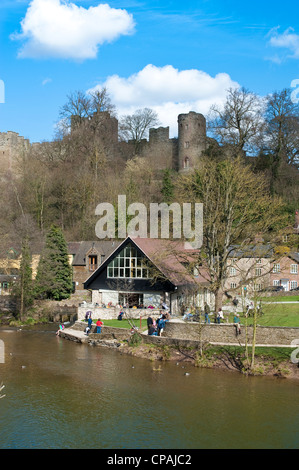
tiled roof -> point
(172, 259)
(79, 250)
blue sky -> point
(171, 56)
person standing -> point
(89, 321)
(237, 324)
(99, 325)
(149, 322)
(235, 304)
(161, 325)
(220, 315)
(207, 312)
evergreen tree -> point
(167, 186)
(54, 274)
(23, 290)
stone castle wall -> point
(12, 146)
(163, 152)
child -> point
(99, 325)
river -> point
(64, 395)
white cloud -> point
(168, 91)
(46, 81)
(287, 40)
(61, 29)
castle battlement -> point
(179, 153)
(11, 146)
(13, 139)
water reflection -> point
(71, 395)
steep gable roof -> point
(170, 258)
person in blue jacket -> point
(161, 322)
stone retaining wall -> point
(7, 304)
(188, 334)
(226, 333)
(112, 313)
(108, 332)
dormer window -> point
(92, 262)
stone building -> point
(86, 257)
(183, 152)
(180, 153)
(285, 272)
(12, 148)
(192, 139)
(144, 273)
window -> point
(186, 162)
(258, 271)
(293, 285)
(186, 145)
(232, 271)
(233, 285)
(276, 283)
(130, 299)
(276, 268)
(92, 262)
(259, 261)
(294, 268)
(128, 264)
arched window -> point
(186, 162)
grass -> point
(124, 323)
(291, 298)
(283, 314)
(274, 315)
(271, 353)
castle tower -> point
(191, 139)
(12, 148)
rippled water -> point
(62, 395)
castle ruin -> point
(180, 153)
(12, 147)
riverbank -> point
(269, 360)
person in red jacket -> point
(99, 325)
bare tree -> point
(136, 126)
(76, 109)
(237, 207)
(240, 122)
(100, 101)
(81, 107)
(282, 132)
